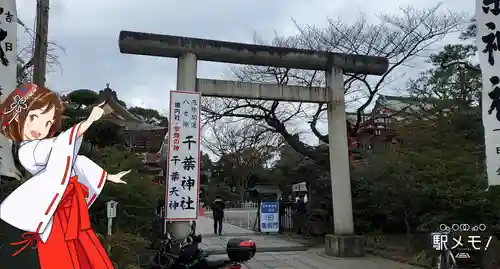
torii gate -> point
(189, 50)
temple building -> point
(141, 137)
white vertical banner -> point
(183, 177)
(488, 42)
(8, 76)
(8, 51)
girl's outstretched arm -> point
(95, 115)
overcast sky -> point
(88, 31)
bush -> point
(136, 200)
(125, 248)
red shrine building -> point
(375, 131)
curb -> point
(326, 256)
(308, 243)
(263, 249)
(229, 235)
(392, 258)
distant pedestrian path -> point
(205, 226)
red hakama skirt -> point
(72, 244)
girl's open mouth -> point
(35, 134)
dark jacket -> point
(218, 206)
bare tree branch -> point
(26, 57)
(403, 39)
(227, 137)
(243, 149)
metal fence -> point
(241, 217)
(245, 204)
(286, 219)
(247, 218)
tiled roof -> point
(388, 105)
(266, 189)
(141, 126)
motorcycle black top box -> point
(238, 251)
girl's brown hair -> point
(37, 98)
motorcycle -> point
(192, 257)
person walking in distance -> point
(218, 207)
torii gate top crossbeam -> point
(241, 53)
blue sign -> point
(269, 217)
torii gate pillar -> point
(187, 67)
(189, 50)
(338, 149)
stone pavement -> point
(275, 251)
(315, 259)
(217, 244)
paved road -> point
(315, 259)
(274, 251)
(217, 244)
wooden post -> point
(41, 43)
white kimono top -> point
(52, 162)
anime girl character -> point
(52, 205)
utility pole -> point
(41, 42)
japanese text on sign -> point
(488, 43)
(8, 51)
(183, 155)
(269, 217)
